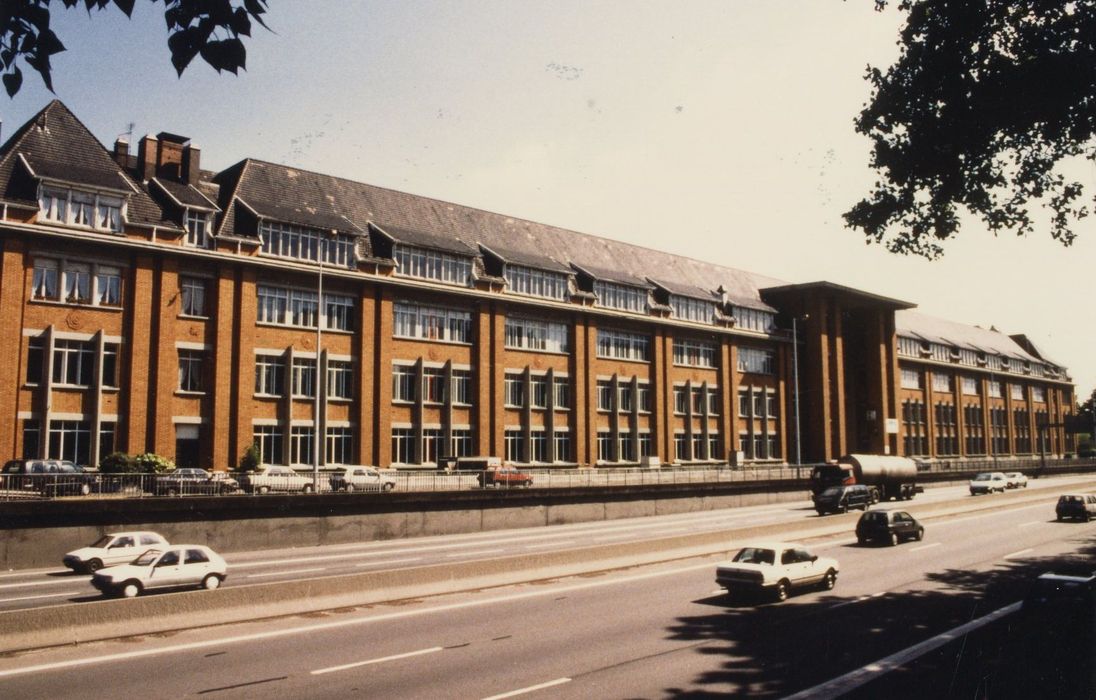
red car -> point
(504, 476)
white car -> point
(775, 568)
(362, 479)
(164, 567)
(1015, 480)
(276, 479)
(111, 549)
(988, 482)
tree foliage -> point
(984, 103)
(209, 28)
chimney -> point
(147, 153)
(191, 164)
(121, 152)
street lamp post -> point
(795, 375)
(316, 422)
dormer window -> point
(754, 319)
(431, 264)
(621, 296)
(537, 283)
(77, 208)
(198, 229)
(300, 243)
(690, 309)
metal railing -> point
(238, 485)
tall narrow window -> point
(197, 229)
(190, 370)
(304, 377)
(192, 294)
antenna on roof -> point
(128, 133)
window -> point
(681, 400)
(646, 445)
(462, 443)
(76, 208)
(71, 440)
(528, 334)
(692, 353)
(301, 443)
(689, 309)
(539, 389)
(462, 387)
(974, 428)
(44, 284)
(698, 401)
(403, 383)
(970, 386)
(911, 379)
(625, 453)
(754, 319)
(295, 307)
(756, 361)
(299, 243)
(73, 361)
(698, 446)
(771, 405)
(1022, 431)
(432, 264)
(681, 447)
(744, 403)
(268, 438)
(909, 347)
(998, 421)
(76, 282)
(941, 382)
(621, 296)
(713, 402)
(269, 375)
(994, 389)
(914, 428)
(713, 446)
(197, 229)
(968, 357)
(939, 352)
(433, 385)
(947, 441)
(36, 350)
(562, 388)
(624, 400)
(190, 370)
(604, 446)
(538, 446)
(192, 294)
(622, 345)
(403, 443)
(304, 377)
(537, 283)
(643, 397)
(514, 389)
(562, 441)
(1039, 394)
(108, 286)
(422, 322)
(340, 379)
(110, 365)
(604, 395)
(1016, 391)
(340, 446)
(515, 446)
(433, 445)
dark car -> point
(187, 481)
(1079, 506)
(890, 526)
(504, 476)
(48, 477)
(842, 499)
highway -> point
(39, 588)
(656, 631)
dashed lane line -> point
(530, 689)
(381, 660)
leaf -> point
(125, 6)
(184, 46)
(241, 24)
(13, 81)
(48, 43)
(227, 54)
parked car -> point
(172, 566)
(276, 478)
(775, 568)
(841, 499)
(988, 482)
(362, 479)
(48, 477)
(504, 476)
(111, 549)
(1079, 506)
(890, 526)
(1015, 480)
(188, 481)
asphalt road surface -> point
(656, 631)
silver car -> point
(173, 566)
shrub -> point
(151, 463)
(249, 462)
(117, 463)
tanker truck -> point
(885, 476)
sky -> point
(717, 130)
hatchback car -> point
(190, 481)
(173, 566)
(362, 479)
(111, 549)
(1076, 506)
(842, 499)
(505, 476)
(776, 568)
(891, 526)
(988, 482)
(1015, 480)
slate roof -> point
(423, 239)
(538, 260)
(56, 145)
(938, 330)
(185, 195)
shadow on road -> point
(773, 650)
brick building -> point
(151, 305)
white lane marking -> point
(854, 679)
(926, 546)
(861, 599)
(286, 573)
(1016, 554)
(389, 561)
(51, 595)
(475, 553)
(530, 689)
(39, 583)
(547, 544)
(1029, 524)
(381, 660)
(335, 624)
